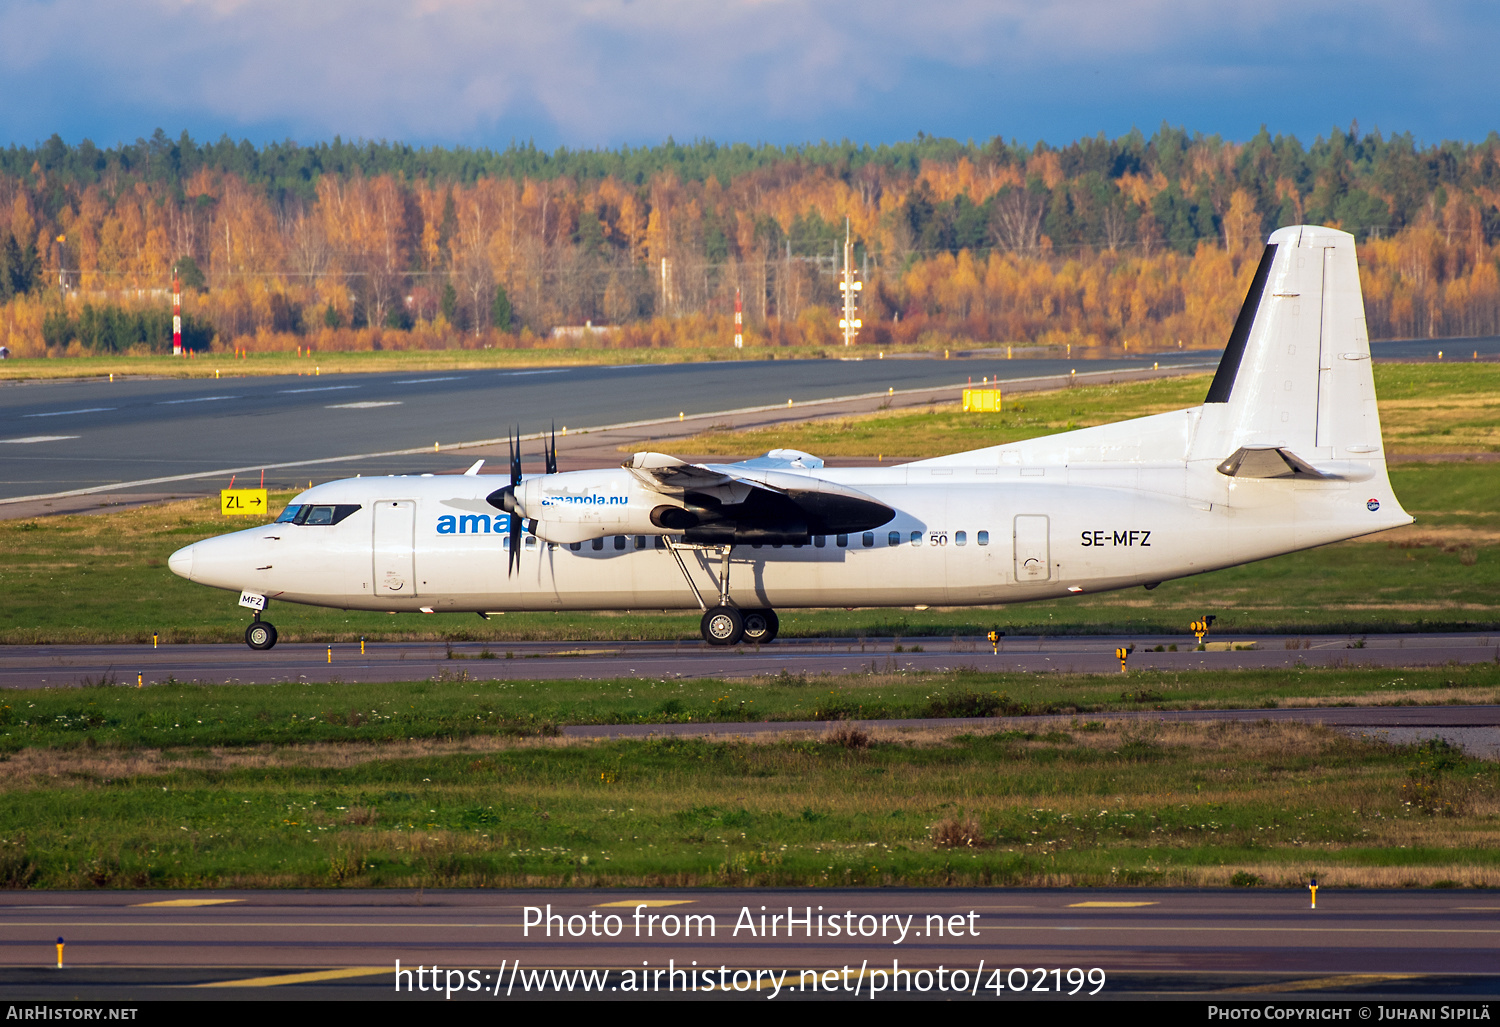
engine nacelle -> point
(575, 506)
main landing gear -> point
(761, 626)
(725, 623)
(261, 634)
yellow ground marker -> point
(1319, 983)
(305, 978)
(1108, 905)
(188, 902)
(650, 903)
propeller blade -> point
(513, 563)
(552, 451)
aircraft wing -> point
(748, 500)
(671, 476)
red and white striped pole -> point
(176, 315)
(739, 322)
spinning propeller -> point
(505, 498)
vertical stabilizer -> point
(1296, 371)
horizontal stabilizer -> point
(1252, 462)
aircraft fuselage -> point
(960, 536)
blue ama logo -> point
(473, 524)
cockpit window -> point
(309, 514)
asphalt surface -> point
(61, 666)
(342, 944)
(58, 436)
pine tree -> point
(500, 312)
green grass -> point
(1424, 408)
(1083, 802)
(472, 700)
(464, 783)
(945, 428)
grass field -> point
(104, 578)
(1424, 408)
(461, 784)
(474, 699)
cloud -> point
(598, 72)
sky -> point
(600, 73)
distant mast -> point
(848, 322)
(176, 315)
(739, 322)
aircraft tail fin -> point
(1296, 373)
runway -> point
(59, 436)
(344, 944)
(142, 439)
(62, 666)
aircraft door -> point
(1033, 559)
(395, 562)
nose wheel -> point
(260, 634)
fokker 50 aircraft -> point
(1284, 454)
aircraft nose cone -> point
(180, 563)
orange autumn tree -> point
(1132, 242)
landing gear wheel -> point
(722, 625)
(761, 626)
(260, 635)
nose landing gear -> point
(261, 634)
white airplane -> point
(1284, 454)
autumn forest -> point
(1136, 242)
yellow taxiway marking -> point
(1108, 905)
(1318, 983)
(652, 903)
(187, 902)
(315, 975)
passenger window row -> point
(938, 538)
(867, 541)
